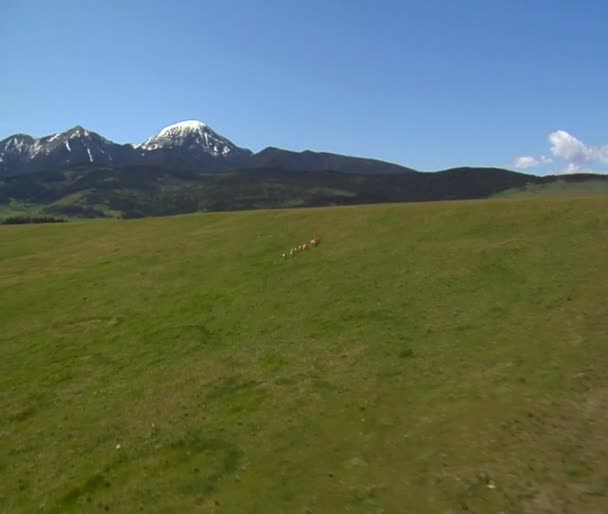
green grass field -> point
(426, 358)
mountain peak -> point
(77, 130)
(182, 128)
(20, 137)
(193, 136)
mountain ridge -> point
(187, 167)
(140, 191)
(186, 145)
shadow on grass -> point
(231, 386)
(199, 461)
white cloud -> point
(526, 161)
(573, 168)
(566, 147)
(570, 149)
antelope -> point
(301, 247)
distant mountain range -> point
(189, 145)
(188, 167)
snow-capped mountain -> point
(191, 142)
(192, 134)
(185, 145)
(188, 145)
(78, 146)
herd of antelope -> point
(304, 246)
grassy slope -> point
(143, 191)
(560, 188)
(421, 355)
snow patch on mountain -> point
(19, 144)
(188, 144)
(37, 148)
(192, 135)
(182, 128)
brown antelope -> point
(304, 246)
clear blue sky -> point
(429, 84)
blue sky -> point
(428, 84)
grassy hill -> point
(141, 191)
(426, 358)
(138, 191)
(558, 188)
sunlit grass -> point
(439, 357)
